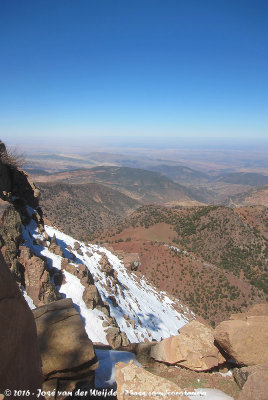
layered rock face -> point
(20, 366)
(193, 348)
(67, 353)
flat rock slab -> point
(63, 342)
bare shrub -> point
(11, 156)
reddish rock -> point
(106, 267)
(84, 275)
(68, 267)
(55, 249)
(37, 279)
(193, 348)
(91, 296)
(113, 337)
(246, 341)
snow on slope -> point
(155, 315)
(28, 299)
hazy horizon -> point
(123, 146)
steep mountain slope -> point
(218, 263)
(81, 210)
(141, 185)
(138, 309)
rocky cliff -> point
(17, 192)
(20, 367)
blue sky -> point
(106, 71)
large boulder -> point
(255, 386)
(245, 340)
(193, 348)
(20, 366)
(136, 383)
(66, 351)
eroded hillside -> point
(213, 257)
(82, 209)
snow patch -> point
(105, 374)
(93, 324)
(28, 299)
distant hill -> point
(82, 209)
(36, 171)
(220, 263)
(144, 186)
(244, 178)
(256, 196)
(181, 174)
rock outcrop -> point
(28, 271)
(91, 296)
(54, 247)
(67, 353)
(245, 340)
(136, 383)
(193, 348)
(37, 279)
(106, 267)
(10, 239)
(20, 366)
